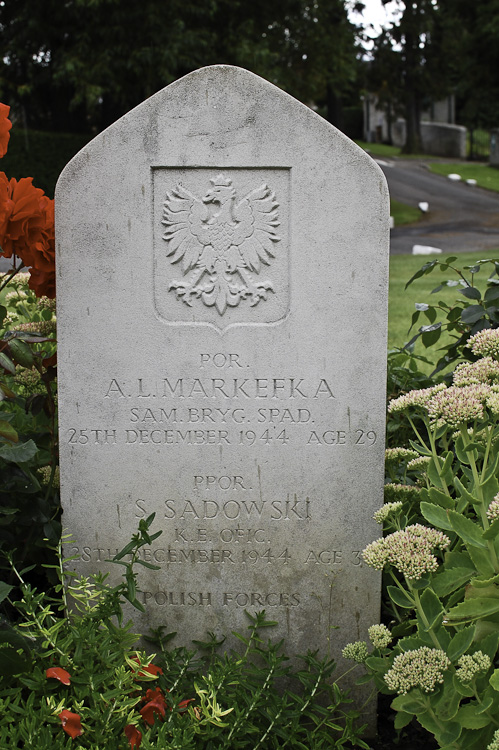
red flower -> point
(5, 126)
(27, 230)
(59, 674)
(153, 695)
(156, 705)
(71, 723)
(133, 735)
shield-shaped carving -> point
(221, 245)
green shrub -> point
(41, 155)
(70, 667)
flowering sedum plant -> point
(440, 554)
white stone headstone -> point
(222, 314)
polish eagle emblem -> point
(221, 243)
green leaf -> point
(410, 703)
(431, 314)
(19, 453)
(491, 294)
(470, 718)
(472, 314)
(494, 679)
(471, 292)
(377, 664)
(7, 363)
(492, 531)
(432, 608)
(148, 565)
(430, 334)
(469, 531)
(402, 719)
(8, 432)
(480, 582)
(440, 498)
(461, 642)
(448, 704)
(481, 560)
(462, 688)
(473, 609)
(419, 448)
(449, 580)
(400, 598)
(463, 492)
(436, 515)
(426, 268)
(5, 590)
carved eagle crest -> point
(221, 243)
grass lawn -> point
(402, 301)
(403, 214)
(379, 149)
(486, 177)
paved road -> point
(460, 217)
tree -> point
(421, 61)
(475, 27)
(80, 64)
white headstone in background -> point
(222, 315)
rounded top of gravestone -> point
(226, 106)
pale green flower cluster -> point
(493, 509)
(409, 551)
(405, 492)
(45, 471)
(485, 343)
(387, 510)
(45, 303)
(45, 327)
(379, 635)
(494, 745)
(356, 651)
(414, 398)
(399, 454)
(419, 464)
(492, 402)
(29, 378)
(470, 664)
(485, 370)
(17, 281)
(453, 406)
(16, 296)
(421, 668)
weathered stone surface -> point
(222, 311)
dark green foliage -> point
(29, 494)
(229, 701)
(79, 66)
(40, 155)
(476, 309)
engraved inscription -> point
(221, 243)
